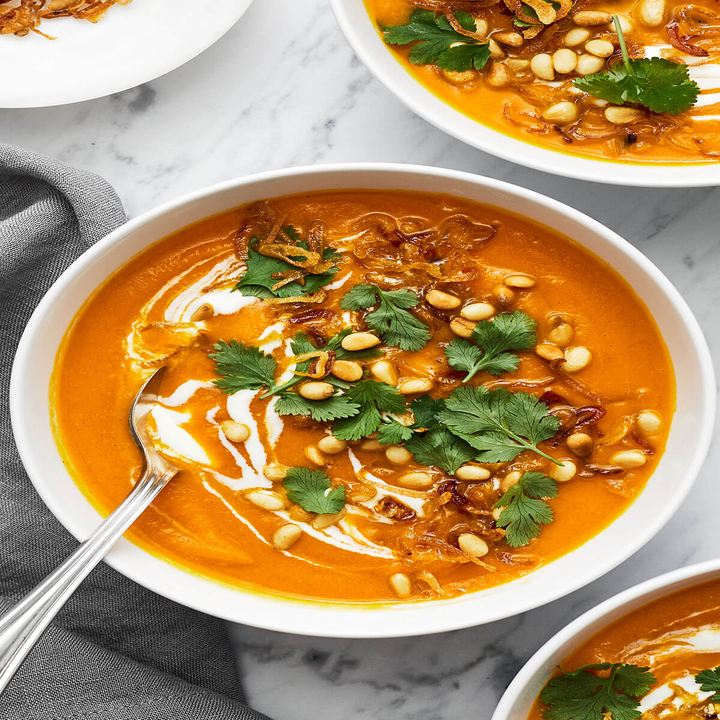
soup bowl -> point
(687, 445)
(520, 696)
(361, 33)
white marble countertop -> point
(281, 89)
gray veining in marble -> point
(281, 89)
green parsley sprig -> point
(372, 398)
(584, 695)
(425, 410)
(524, 509)
(391, 318)
(498, 423)
(313, 491)
(709, 681)
(437, 41)
(493, 345)
(658, 84)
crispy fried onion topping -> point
(25, 18)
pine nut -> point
(316, 390)
(496, 52)
(325, 520)
(562, 334)
(470, 472)
(581, 444)
(442, 300)
(331, 445)
(503, 295)
(275, 472)
(626, 24)
(628, 459)
(371, 445)
(510, 480)
(555, 319)
(481, 26)
(623, 115)
(473, 545)
(520, 281)
(542, 65)
(591, 18)
(562, 112)
(563, 473)
(398, 455)
(401, 585)
(498, 75)
(496, 513)
(234, 431)
(463, 328)
(549, 352)
(459, 77)
(651, 13)
(359, 341)
(517, 64)
(649, 422)
(286, 536)
(315, 456)
(564, 60)
(204, 312)
(576, 358)
(577, 36)
(362, 496)
(478, 311)
(512, 39)
(384, 371)
(266, 500)
(415, 385)
(347, 370)
(416, 480)
(589, 64)
(601, 48)
(300, 515)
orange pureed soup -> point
(533, 81)
(407, 396)
(674, 639)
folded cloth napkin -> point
(117, 651)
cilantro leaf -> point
(709, 681)
(258, 279)
(332, 408)
(498, 339)
(242, 367)
(659, 84)
(313, 492)
(583, 695)
(373, 397)
(392, 319)
(524, 510)
(425, 410)
(435, 38)
(440, 448)
(394, 433)
(498, 423)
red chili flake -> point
(312, 315)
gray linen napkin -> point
(117, 651)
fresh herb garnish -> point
(709, 681)
(333, 408)
(498, 423)
(583, 695)
(493, 344)
(659, 84)
(313, 491)
(440, 448)
(391, 319)
(373, 399)
(242, 367)
(524, 508)
(436, 41)
(425, 410)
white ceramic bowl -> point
(361, 32)
(687, 445)
(520, 696)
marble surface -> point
(282, 89)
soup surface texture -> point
(370, 395)
(674, 639)
(555, 74)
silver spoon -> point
(21, 628)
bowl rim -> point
(424, 103)
(604, 614)
(430, 621)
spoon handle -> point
(21, 627)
